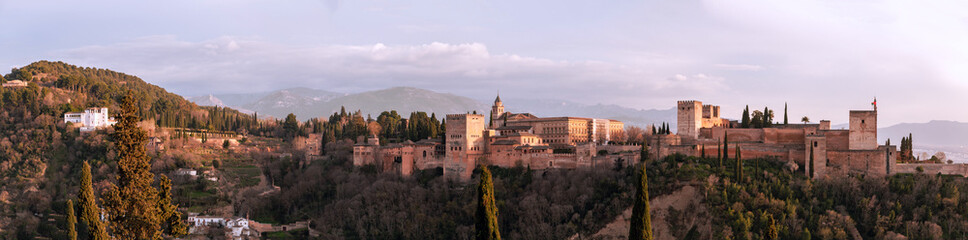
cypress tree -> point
(805, 235)
(486, 222)
(739, 165)
(767, 117)
(90, 213)
(745, 122)
(173, 225)
(703, 151)
(71, 221)
(133, 205)
(786, 120)
(771, 231)
(641, 223)
(725, 145)
(719, 154)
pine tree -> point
(641, 222)
(486, 222)
(90, 213)
(71, 221)
(133, 206)
(745, 122)
(786, 120)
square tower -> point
(689, 119)
(863, 130)
(464, 143)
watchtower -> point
(863, 130)
(689, 118)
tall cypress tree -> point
(725, 145)
(90, 213)
(486, 222)
(171, 218)
(703, 152)
(133, 205)
(641, 222)
(719, 154)
(767, 118)
(739, 165)
(771, 232)
(71, 221)
(786, 120)
(745, 122)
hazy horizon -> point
(823, 58)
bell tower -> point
(496, 111)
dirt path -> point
(686, 199)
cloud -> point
(738, 67)
(239, 64)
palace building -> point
(503, 139)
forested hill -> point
(73, 88)
(40, 154)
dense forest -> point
(361, 203)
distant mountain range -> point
(308, 103)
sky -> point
(822, 57)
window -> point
(814, 143)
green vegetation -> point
(486, 217)
(641, 223)
(907, 154)
(90, 212)
(71, 221)
(135, 209)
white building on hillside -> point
(90, 119)
(14, 83)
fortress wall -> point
(745, 135)
(705, 133)
(933, 168)
(789, 136)
(762, 151)
(836, 139)
(872, 162)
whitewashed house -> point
(90, 119)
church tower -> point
(496, 112)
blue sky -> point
(822, 57)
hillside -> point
(40, 154)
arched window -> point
(425, 153)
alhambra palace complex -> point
(507, 139)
